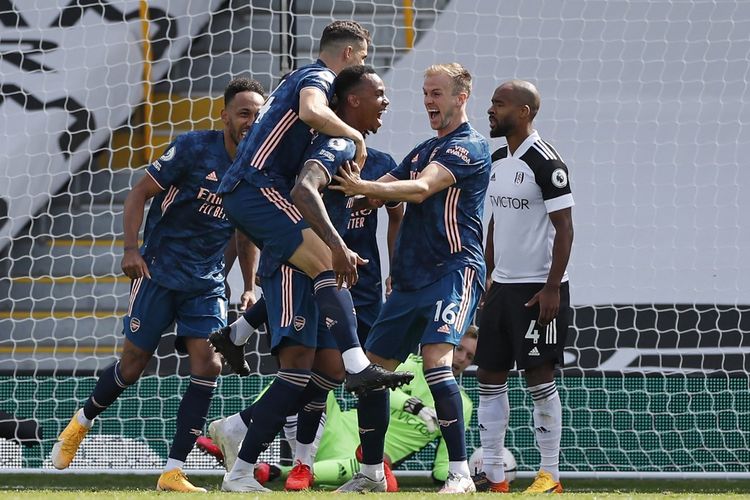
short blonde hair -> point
(472, 332)
(460, 76)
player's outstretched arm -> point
(314, 111)
(431, 180)
(306, 197)
(133, 264)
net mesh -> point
(645, 100)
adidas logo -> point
(492, 177)
(212, 176)
(444, 329)
(330, 322)
(534, 352)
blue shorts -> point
(268, 217)
(152, 310)
(293, 317)
(366, 316)
(436, 314)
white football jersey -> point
(524, 188)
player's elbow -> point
(300, 194)
(421, 193)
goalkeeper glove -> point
(415, 406)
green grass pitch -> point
(114, 487)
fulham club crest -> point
(519, 178)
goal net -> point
(645, 100)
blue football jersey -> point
(186, 230)
(444, 233)
(361, 234)
(330, 153)
(277, 141)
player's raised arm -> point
(314, 111)
(133, 264)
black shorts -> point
(509, 333)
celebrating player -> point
(310, 363)
(437, 270)
(526, 311)
(178, 276)
(257, 196)
(414, 425)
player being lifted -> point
(438, 269)
(178, 276)
(526, 311)
(257, 199)
(310, 362)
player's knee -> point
(540, 374)
(207, 366)
(131, 370)
(485, 376)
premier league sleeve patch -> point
(559, 178)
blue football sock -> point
(337, 308)
(191, 416)
(257, 314)
(449, 409)
(271, 410)
(247, 415)
(373, 414)
(309, 417)
(108, 388)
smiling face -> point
(443, 107)
(372, 103)
(240, 114)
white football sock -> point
(374, 472)
(355, 360)
(241, 469)
(81, 417)
(173, 464)
(461, 468)
(548, 426)
(493, 414)
(240, 331)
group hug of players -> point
(290, 175)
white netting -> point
(646, 100)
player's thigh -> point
(151, 311)
(292, 312)
(536, 345)
(199, 314)
(366, 316)
(268, 217)
(495, 352)
(312, 256)
(451, 302)
(399, 326)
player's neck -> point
(462, 118)
(331, 62)
(515, 140)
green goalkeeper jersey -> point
(407, 433)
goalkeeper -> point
(413, 426)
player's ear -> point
(348, 51)
(525, 112)
(352, 100)
(224, 117)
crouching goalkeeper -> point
(332, 457)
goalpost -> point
(647, 101)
